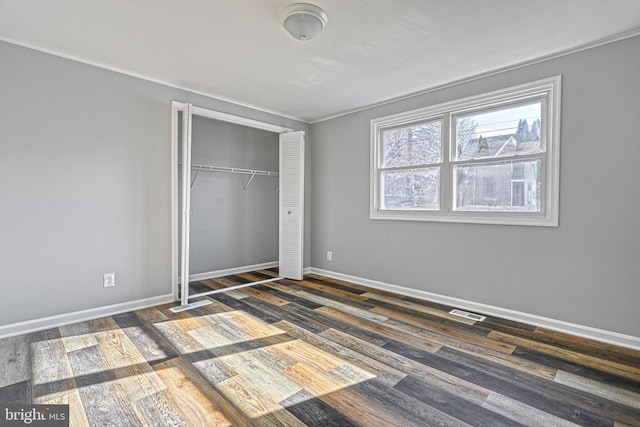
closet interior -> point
(238, 198)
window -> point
(491, 158)
(410, 171)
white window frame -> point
(547, 90)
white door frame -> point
(176, 108)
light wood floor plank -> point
(14, 360)
(133, 373)
(252, 400)
(265, 296)
(151, 315)
(326, 302)
(300, 351)
(148, 341)
(387, 375)
(197, 402)
(161, 409)
(50, 363)
(522, 413)
(104, 401)
(53, 379)
(77, 336)
(253, 368)
(597, 388)
(180, 339)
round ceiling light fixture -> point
(303, 21)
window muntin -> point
(496, 160)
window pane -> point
(411, 189)
(500, 133)
(412, 146)
(498, 187)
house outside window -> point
(492, 158)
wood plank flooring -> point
(318, 352)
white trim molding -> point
(588, 332)
(81, 316)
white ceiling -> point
(370, 51)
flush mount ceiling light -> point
(303, 21)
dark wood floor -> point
(319, 352)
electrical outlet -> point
(329, 256)
(109, 280)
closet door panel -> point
(187, 122)
(291, 205)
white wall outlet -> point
(329, 256)
(109, 280)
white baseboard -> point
(595, 334)
(81, 316)
(231, 271)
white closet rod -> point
(233, 170)
(252, 172)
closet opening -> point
(237, 192)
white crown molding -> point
(588, 332)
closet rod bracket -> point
(253, 175)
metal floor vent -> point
(467, 315)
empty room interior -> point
(337, 213)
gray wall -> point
(586, 271)
(85, 184)
(231, 227)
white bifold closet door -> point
(291, 205)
